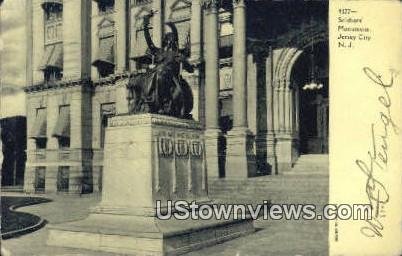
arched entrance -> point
(300, 117)
(309, 78)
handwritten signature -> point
(378, 156)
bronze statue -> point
(162, 89)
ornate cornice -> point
(153, 119)
(84, 82)
(110, 80)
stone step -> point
(317, 201)
(278, 195)
(272, 178)
(306, 182)
(275, 194)
(278, 188)
(278, 198)
(266, 191)
(318, 204)
(291, 185)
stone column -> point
(271, 156)
(195, 32)
(240, 160)
(95, 19)
(194, 79)
(120, 17)
(296, 117)
(76, 139)
(288, 109)
(158, 22)
(283, 134)
(239, 65)
(76, 39)
(212, 132)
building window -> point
(105, 57)
(40, 179)
(62, 129)
(105, 60)
(39, 129)
(64, 142)
(53, 22)
(107, 110)
(105, 6)
(52, 74)
(41, 143)
(52, 61)
(63, 176)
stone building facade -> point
(252, 59)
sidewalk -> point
(306, 238)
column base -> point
(212, 152)
(240, 156)
(282, 152)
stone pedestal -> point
(240, 156)
(149, 158)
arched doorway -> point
(312, 98)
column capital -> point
(211, 5)
(239, 3)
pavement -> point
(307, 238)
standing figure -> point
(162, 89)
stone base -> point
(282, 152)
(240, 158)
(212, 137)
(149, 158)
(136, 235)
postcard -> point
(201, 127)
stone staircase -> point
(306, 182)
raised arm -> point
(147, 35)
